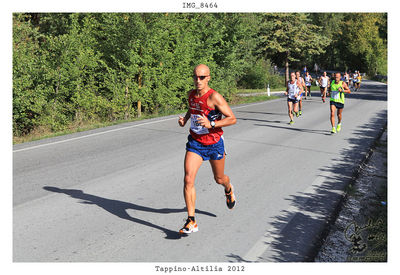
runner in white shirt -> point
(308, 79)
(293, 91)
(323, 84)
(303, 86)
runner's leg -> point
(290, 109)
(296, 107)
(333, 110)
(339, 115)
(218, 168)
(192, 164)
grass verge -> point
(42, 132)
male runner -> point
(303, 87)
(346, 78)
(293, 91)
(358, 81)
(355, 77)
(205, 141)
(338, 88)
(308, 79)
(323, 84)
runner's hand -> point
(203, 121)
(181, 121)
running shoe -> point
(230, 198)
(297, 114)
(291, 122)
(333, 131)
(339, 127)
(323, 100)
(300, 112)
(189, 227)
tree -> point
(366, 42)
(292, 36)
(28, 96)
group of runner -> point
(334, 87)
(208, 112)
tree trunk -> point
(287, 68)
(139, 108)
(139, 103)
(126, 115)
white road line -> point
(264, 243)
(114, 130)
(91, 135)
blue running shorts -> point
(214, 151)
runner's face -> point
(337, 77)
(292, 77)
(198, 74)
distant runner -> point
(293, 91)
(337, 90)
(355, 78)
(308, 79)
(323, 84)
(205, 141)
(303, 87)
(346, 79)
(358, 81)
(304, 70)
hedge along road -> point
(115, 194)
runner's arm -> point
(220, 103)
(345, 88)
(182, 120)
(287, 89)
(300, 86)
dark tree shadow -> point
(263, 113)
(259, 120)
(301, 231)
(291, 128)
(119, 208)
(236, 259)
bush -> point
(259, 76)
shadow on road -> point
(300, 229)
(263, 113)
(319, 132)
(118, 208)
(259, 120)
(370, 92)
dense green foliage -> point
(80, 67)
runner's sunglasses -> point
(202, 77)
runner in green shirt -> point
(338, 88)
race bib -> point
(195, 126)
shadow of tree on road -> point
(119, 208)
(298, 231)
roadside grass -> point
(43, 132)
(377, 234)
(279, 89)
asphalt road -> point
(115, 194)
